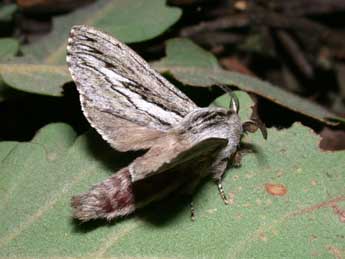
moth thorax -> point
(212, 122)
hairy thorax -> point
(214, 122)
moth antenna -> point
(234, 102)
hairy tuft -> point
(109, 199)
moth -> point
(135, 108)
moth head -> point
(248, 126)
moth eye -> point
(229, 112)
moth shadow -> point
(256, 150)
(89, 226)
(159, 214)
(164, 212)
(171, 209)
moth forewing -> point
(133, 107)
(119, 90)
(172, 151)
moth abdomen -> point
(111, 198)
(118, 196)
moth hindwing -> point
(133, 107)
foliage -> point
(286, 199)
(39, 177)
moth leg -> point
(217, 175)
(188, 191)
(221, 168)
(222, 193)
(236, 162)
(192, 211)
(237, 158)
(191, 205)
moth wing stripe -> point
(137, 101)
(111, 74)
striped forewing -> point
(123, 98)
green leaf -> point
(176, 52)
(40, 79)
(191, 65)
(6, 12)
(44, 71)
(5, 148)
(3, 90)
(128, 20)
(39, 177)
(8, 48)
